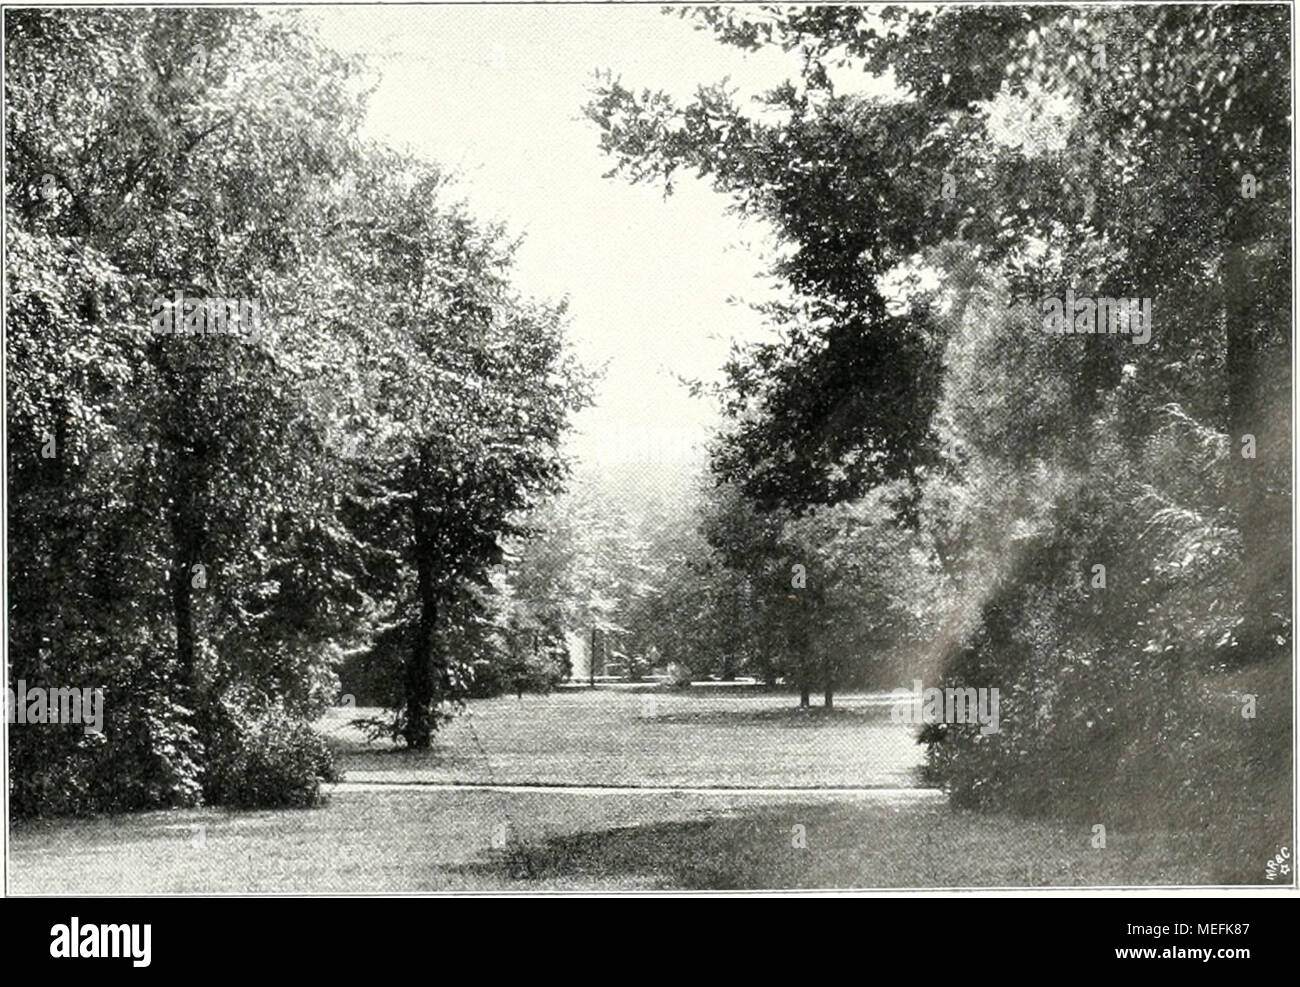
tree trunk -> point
(185, 443)
(828, 682)
(419, 672)
(804, 695)
(187, 547)
(183, 617)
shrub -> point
(263, 758)
(148, 757)
(1118, 706)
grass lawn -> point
(698, 737)
(443, 840)
(422, 837)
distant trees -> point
(836, 599)
(585, 565)
(202, 524)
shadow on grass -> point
(751, 851)
(792, 716)
(880, 844)
(382, 753)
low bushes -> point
(263, 758)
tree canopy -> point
(203, 523)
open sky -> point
(495, 92)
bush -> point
(148, 757)
(263, 758)
(539, 672)
(1118, 707)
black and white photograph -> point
(623, 449)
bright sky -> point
(496, 94)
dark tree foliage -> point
(203, 525)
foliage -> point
(194, 516)
(1023, 151)
(263, 757)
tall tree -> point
(466, 389)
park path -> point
(882, 791)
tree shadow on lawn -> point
(353, 750)
(792, 716)
(722, 854)
(856, 845)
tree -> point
(464, 390)
(202, 520)
(190, 170)
(843, 399)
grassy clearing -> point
(703, 737)
(439, 839)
